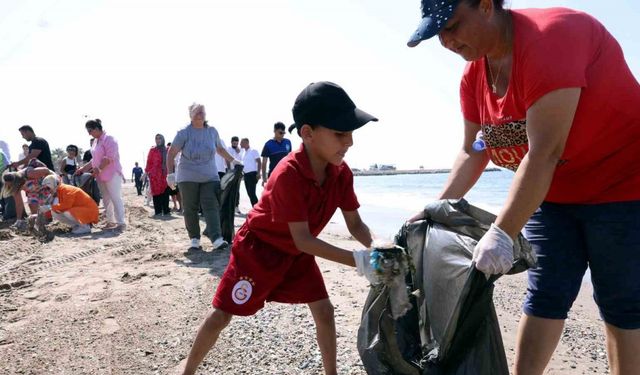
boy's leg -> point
(323, 315)
(206, 338)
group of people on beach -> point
(556, 102)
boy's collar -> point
(303, 159)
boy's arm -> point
(358, 229)
(306, 242)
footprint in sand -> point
(109, 326)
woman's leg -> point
(191, 204)
(106, 201)
(115, 186)
(209, 199)
(157, 204)
(555, 233)
(612, 231)
(165, 202)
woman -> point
(72, 207)
(29, 180)
(156, 169)
(69, 164)
(557, 103)
(197, 176)
(106, 168)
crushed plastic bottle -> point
(479, 145)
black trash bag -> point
(230, 186)
(452, 328)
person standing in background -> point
(156, 169)
(274, 150)
(198, 177)
(175, 193)
(106, 168)
(236, 152)
(221, 164)
(252, 166)
(136, 176)
(38, 149)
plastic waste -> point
(479, 144)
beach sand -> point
(131, 304)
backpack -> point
(452, 327)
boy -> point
(273, 253)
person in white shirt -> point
(237, 153)
(221, 164)
(252, 167)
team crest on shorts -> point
(242, 290)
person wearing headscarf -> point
(71, 206)
(156, 169)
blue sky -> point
(137, 65)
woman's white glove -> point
(235, 162)
(171, 181)
(364, 267)
(44, 208)
(494, 252)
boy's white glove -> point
(364, 267)
(171, 181)
(494, 252)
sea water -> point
(386, 202)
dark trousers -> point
(139, 185)
(207, 196)
(161, 202)
(250, 182)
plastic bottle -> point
(479, 145)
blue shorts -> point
(569, 237)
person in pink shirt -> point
(108, 173)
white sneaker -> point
(195, 243)
(219, 243)
(81, 229)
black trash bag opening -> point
(452, 328)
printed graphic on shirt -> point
(506, 143)
(242, 290)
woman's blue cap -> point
(435, 14)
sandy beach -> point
(131, 303)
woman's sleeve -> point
(66, 199)
(559, 58)
(468, 100)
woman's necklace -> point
(494, 80)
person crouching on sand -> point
(273, 253)
(73, 206)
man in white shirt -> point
(221, 164)
(252, 166)
(235, 151)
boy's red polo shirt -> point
(292, 194)
(265, 264)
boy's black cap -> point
(327, 104)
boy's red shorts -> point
(257, 273)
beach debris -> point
(391, 264)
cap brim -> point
(431, 24)
(350, 121)
(345, 123)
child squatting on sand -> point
(273, 253)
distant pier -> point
(391, 172)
